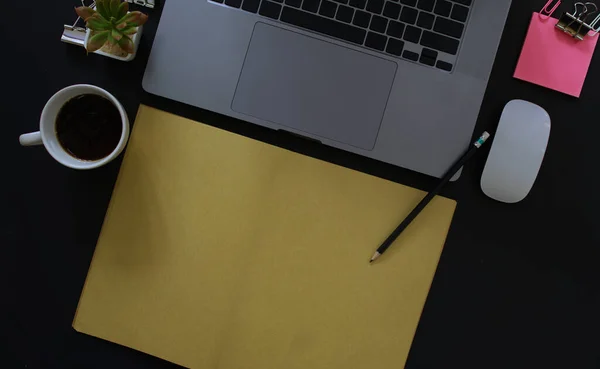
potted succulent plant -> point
(112, 30)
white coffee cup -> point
(47, 134)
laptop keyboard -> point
(424, 31)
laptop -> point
(400, 81)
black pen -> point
(413, 214)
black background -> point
(517, 286)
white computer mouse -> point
(517, 152)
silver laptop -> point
(399, 81)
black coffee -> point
(89, 127)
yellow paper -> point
(222, 252)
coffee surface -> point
(89, 127)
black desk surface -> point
(517, 286)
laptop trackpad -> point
(314, 86)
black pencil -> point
(413, 214)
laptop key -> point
(391, 10)
(444, 65)
(328, 8)
(448, 27)
(429, 53)
(425, 20)
(233, 3)
(428, 57)
(361, 18)
(294, 3)
(217, 1)
(426, 5)
(460, 13)
(409, 2)
(323, 25)
(394, 46)
(395, 29)
(344, 13)
(443, 8)
(463, 2)
(341, 1)
(311, 5)
(410, 55)
(269, 9)
(251, 5)
(427, 61)
(359, 4)
(378, 24)
(439, 42)
(409, 15)
(412, 34)
(376, 41)
(375, 6)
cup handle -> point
(31, 139)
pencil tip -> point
(375, 256)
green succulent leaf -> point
(84, 12)
(123, 9)
(116, 34)
(127, 45)
(134, 19)
(111, 40)
(97, 41)
(102, 8)
(129, 30)
(97, 23)
(114, 8)
(127, 17)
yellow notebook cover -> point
(222, 252)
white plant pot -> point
(136, 42)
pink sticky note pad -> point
(552, 59)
